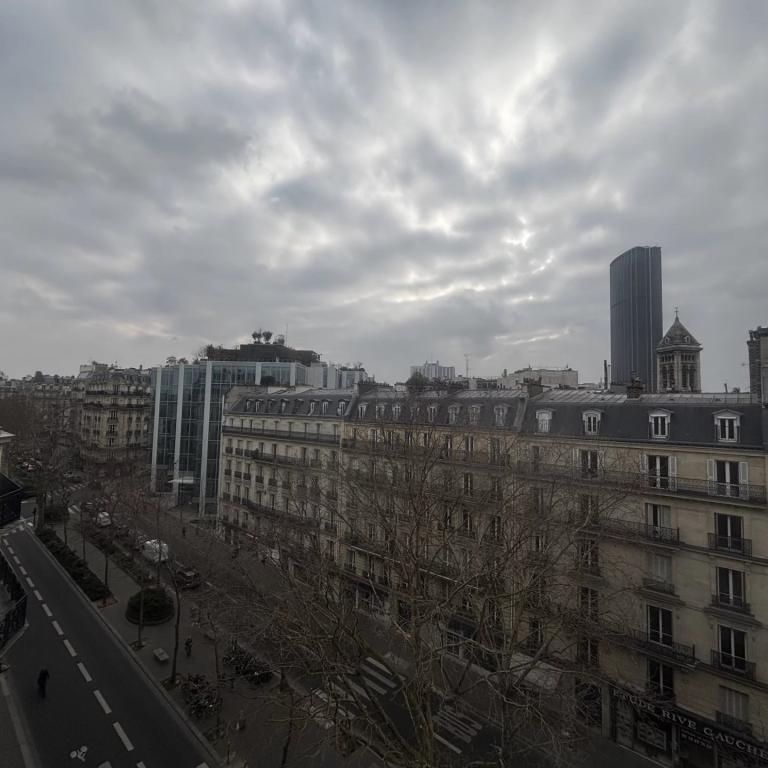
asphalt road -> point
(97, 699)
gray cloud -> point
(391, 180)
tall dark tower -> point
(636, 317)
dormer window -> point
(453, 414)
(341, 407)
(283, 405)
(543, 420)
(591, 421)
(361, 409)
(474, 414)
(727, 427)
(298, 405)
(431, 413)
(396, 410)
(270, 403)
(324, 407)
(380, 411)
(658, 425)
(499, 415)
(312, 407)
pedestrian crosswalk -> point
(343, 698)
(450, 723)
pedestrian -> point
(188, 646)
(42, 681)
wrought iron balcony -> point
(658, 644)
(731, 602)
(658, 585)
(639, 481)
(729, 721)
(727, 662)
(730, 544)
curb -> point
(158, 689)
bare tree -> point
(463, 574)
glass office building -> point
(636, 315)
(187, 402)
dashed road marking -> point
(59, 630)
(10, 549)
(23, 570)
(16, 559)
(30, 582)
(107, 709)
(140, 765)
(38, 596)
(448, 744)
(84, 672)
(68, 646)
(47, 611)
(123, 736)
(202, 765)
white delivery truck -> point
(155, 551)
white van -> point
(155, 551)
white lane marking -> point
(378, 664)
(10, 549)
(370, 684)
(140, 765)
(447, 744)
(38, 596)
(68, 646)
(84, 671)
(105, 765)
(47, 611)
(16, 559)
(123, 737)
(59, 630)
(23, 570)
(30, 582)
(368, 671)
(202, 765)
(107, 709)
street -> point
(100, 709)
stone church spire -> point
(678, 360)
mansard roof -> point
(626, 419)
(434, 407)
(678, 336)
(261, 403)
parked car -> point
(186, 577)
(103, 520)
(155, 551)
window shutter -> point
(711, 476)
(576, 464)
(673, 473)
(743, 480)
(644, 463)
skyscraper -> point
(757, 348)
(636, 315)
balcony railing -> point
(229, 450)
(282, 435)
(730, 663)
(642, 530)
(729, 721)
(658, 585)
(660, 645)
(731, 602)
(639, 481)
(730, 544)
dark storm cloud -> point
(391, 180)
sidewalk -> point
(264, 709)
(10, 749)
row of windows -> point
(431, 411)
(322, 407)
(727, 425)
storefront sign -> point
(693, 729)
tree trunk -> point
(176, 633)
(139, 641)
(289, 735)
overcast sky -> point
(394, 181)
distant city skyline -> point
(171, 179)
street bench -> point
(161, 655)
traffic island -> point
(158, 607)
(74, 565)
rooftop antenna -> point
(466, 364)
